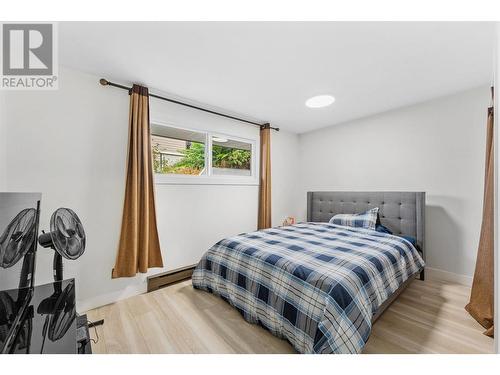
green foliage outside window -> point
(225, 157)
(193, 159)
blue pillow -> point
(366, 219)
(410, 239)
(382, 229)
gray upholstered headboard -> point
(401, 212)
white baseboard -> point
(434, 273)
(106, 299)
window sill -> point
(204, 180)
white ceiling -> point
(267, 70)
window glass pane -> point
(231, 157)
(177, 151)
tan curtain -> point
(139, 247)
(481, 298)
(264, 219)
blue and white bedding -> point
(366, 219)
(317, 285)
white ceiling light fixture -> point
(320, 101)
(220, 140)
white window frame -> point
(208, 178)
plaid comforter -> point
(315, 284)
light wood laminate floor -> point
(428, 317)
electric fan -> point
(17, 241)
(22, 342)
(15, 321)
(7, 314)
(59, 310)
(18, 237)
(66, 238)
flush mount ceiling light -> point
(320, 101)
(220, 140)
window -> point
(178, 151)
(230, 157)
(191, 156)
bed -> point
(318, 285)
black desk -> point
(47, 319)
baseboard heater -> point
(162, 280)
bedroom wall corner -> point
(285, 174)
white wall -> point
(285, 176)
(71, 145)
(437, 147)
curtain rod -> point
(105, 82)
